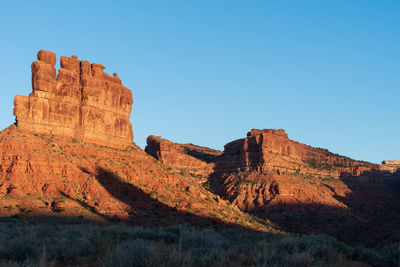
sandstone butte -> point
(81, 101)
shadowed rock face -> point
(195, 158)
(81, 101)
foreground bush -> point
(121, 245)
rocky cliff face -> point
(391, 165)
(267, 165)
(304, 188)
(271, 151)
(182, 156)
(46, 176)
(81, 101)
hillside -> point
(49, 176)
(306, 189)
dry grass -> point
(121, 245)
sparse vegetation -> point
(319, 165)
(183, 172)
(207, 185)
(121, 245)
(199, 176)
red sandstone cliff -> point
(304, 188)
(182, 156)
(81, 101)
(271, 150)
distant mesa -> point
(81, 101)
(271, 151)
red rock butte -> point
(81, 102)
(270, 150)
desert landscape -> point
(200, 133)
(76, 190)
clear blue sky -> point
(206, 72)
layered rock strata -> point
(183, 156)
(80, 101)
(271, 151)
(391, 162)
(391, 165)
(305, 188)
(65, 180)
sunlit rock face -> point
(81, 101)
(182, 156)
(271, 151)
